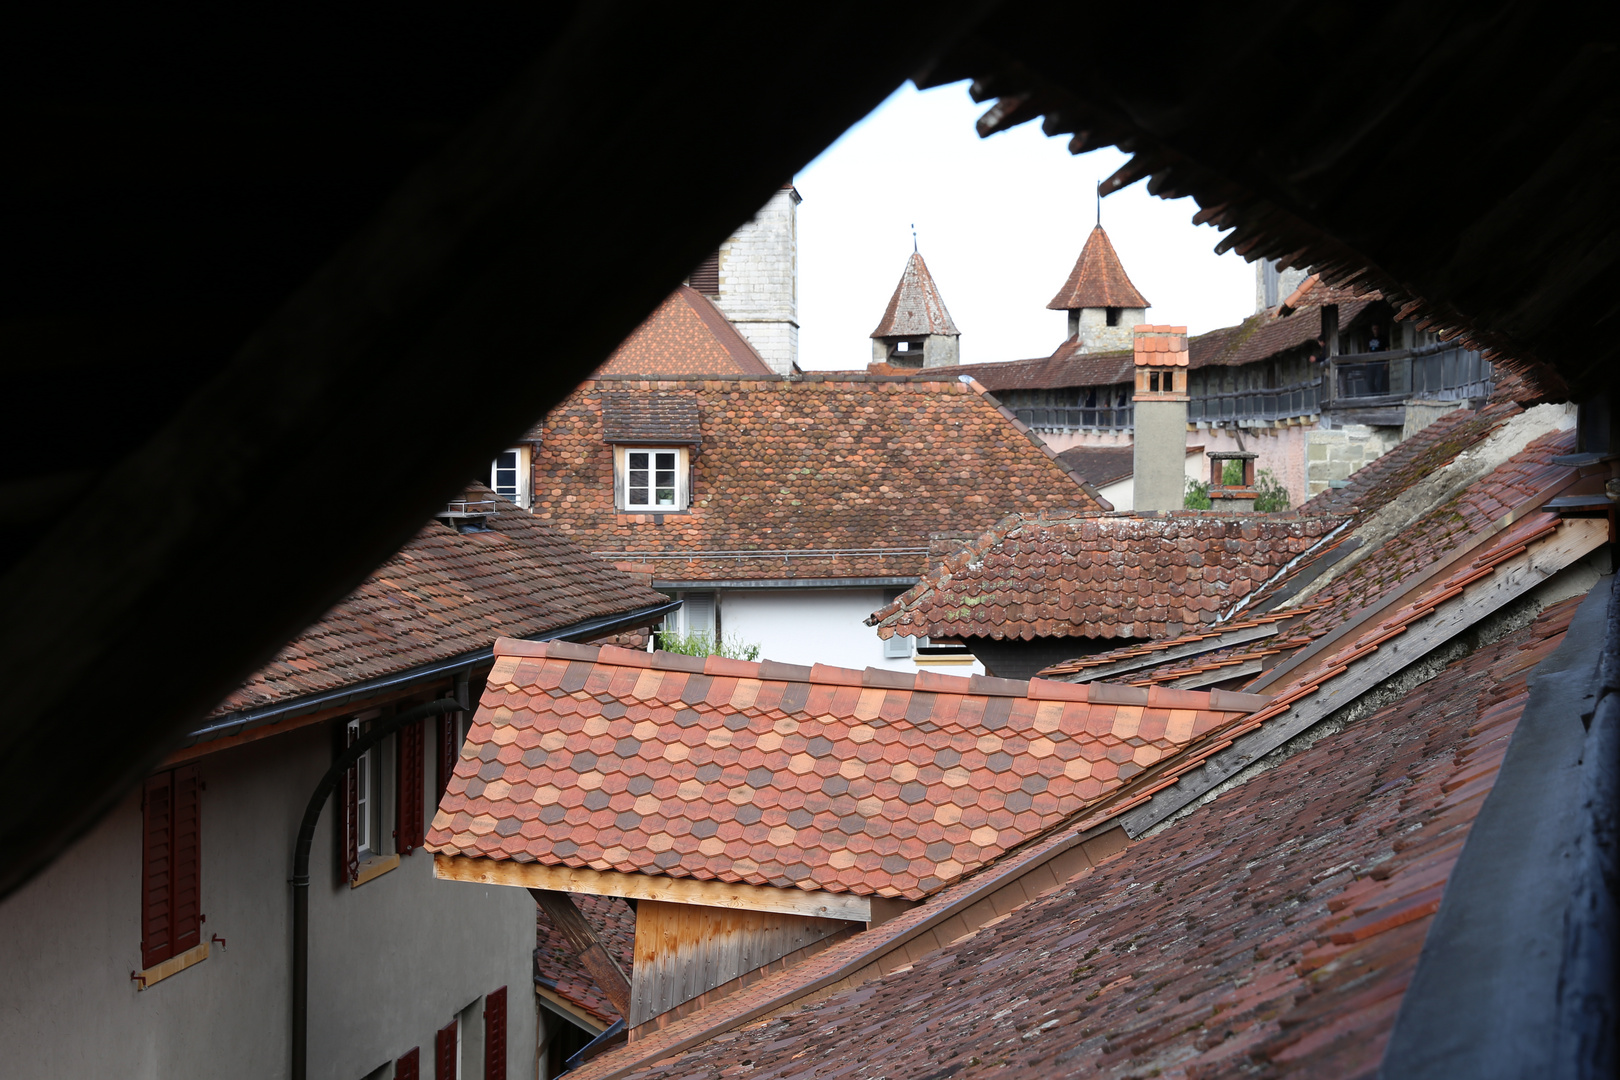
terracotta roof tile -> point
(1100, 465)
(1273, 931)
(650, 419)
(1098, 279)
(853, 781)
(686, 335)
(837, 476)
(1101, 576)
(444, 594)
(916, 308)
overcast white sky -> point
(1000, 222)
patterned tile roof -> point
(1436, 536)
(1102, 575)
(686, 335)
(444, 594)
(1273, 932)
(844, 475)
(557, 965)
(916, 308)
(872, 782)
(1098, 279)
(650, 419)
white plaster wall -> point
(390, 962)
(759, 281)
(1060, 441)
(817, 626)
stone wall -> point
(1095, 333)
(1334, 453)
(759, 268)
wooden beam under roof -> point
(719, 894)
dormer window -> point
(653, 478)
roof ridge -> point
(873, 678)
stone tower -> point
(754, 280)
(1160, 441)
(1102, 303)
(916, 330)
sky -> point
(1000, 222)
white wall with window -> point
(651, 479)
(825, 626)
(510, 475)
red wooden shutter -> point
(409, 828)
(187, 848)
(157, 885)
(349, 819)
(409, 1067)
(444, 1053)
(495, 1035)
(449, 749)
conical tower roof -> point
(1098, 279)
(916, 308)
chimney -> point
(1160, 442)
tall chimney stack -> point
(1160, 442)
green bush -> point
(732, 647)
(1197, 495)
(1270, 495)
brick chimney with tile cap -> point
(1160, 441)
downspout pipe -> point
(380, 729)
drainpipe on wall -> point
(380, 729)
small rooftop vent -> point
(468, 515)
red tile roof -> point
(844, 475)
(686, 335)
(1273, 932)
(1100, 465)
(1094, 575)
(445, 594)
(557, 965)
(872, 782)
(1098, 279)
(916, 308)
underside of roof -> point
(218, 301)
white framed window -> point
(509, 475)
(365, 797)
(698, 614)
(651, 478)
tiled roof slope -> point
(1433, 539)
(1100, 464)
(1271, 933)
(444, 594)
(557, 965)
(1379, 482)
(686, 335)
(641, 418)
(1098, 279)
(812, 477)
(916, 308)
(1256, 338)
(816, 778)
(1097, 575)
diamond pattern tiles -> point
(871, 782)
(1102, 576)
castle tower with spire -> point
(916, 330)
(1102, 303)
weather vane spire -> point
(1099, 204)
(914, 238)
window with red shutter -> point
(449, 749)
(408, 814)
(409, 1067)
(171, 865)
(495, 1035)
(445, 1048)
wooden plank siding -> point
(684, 950)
